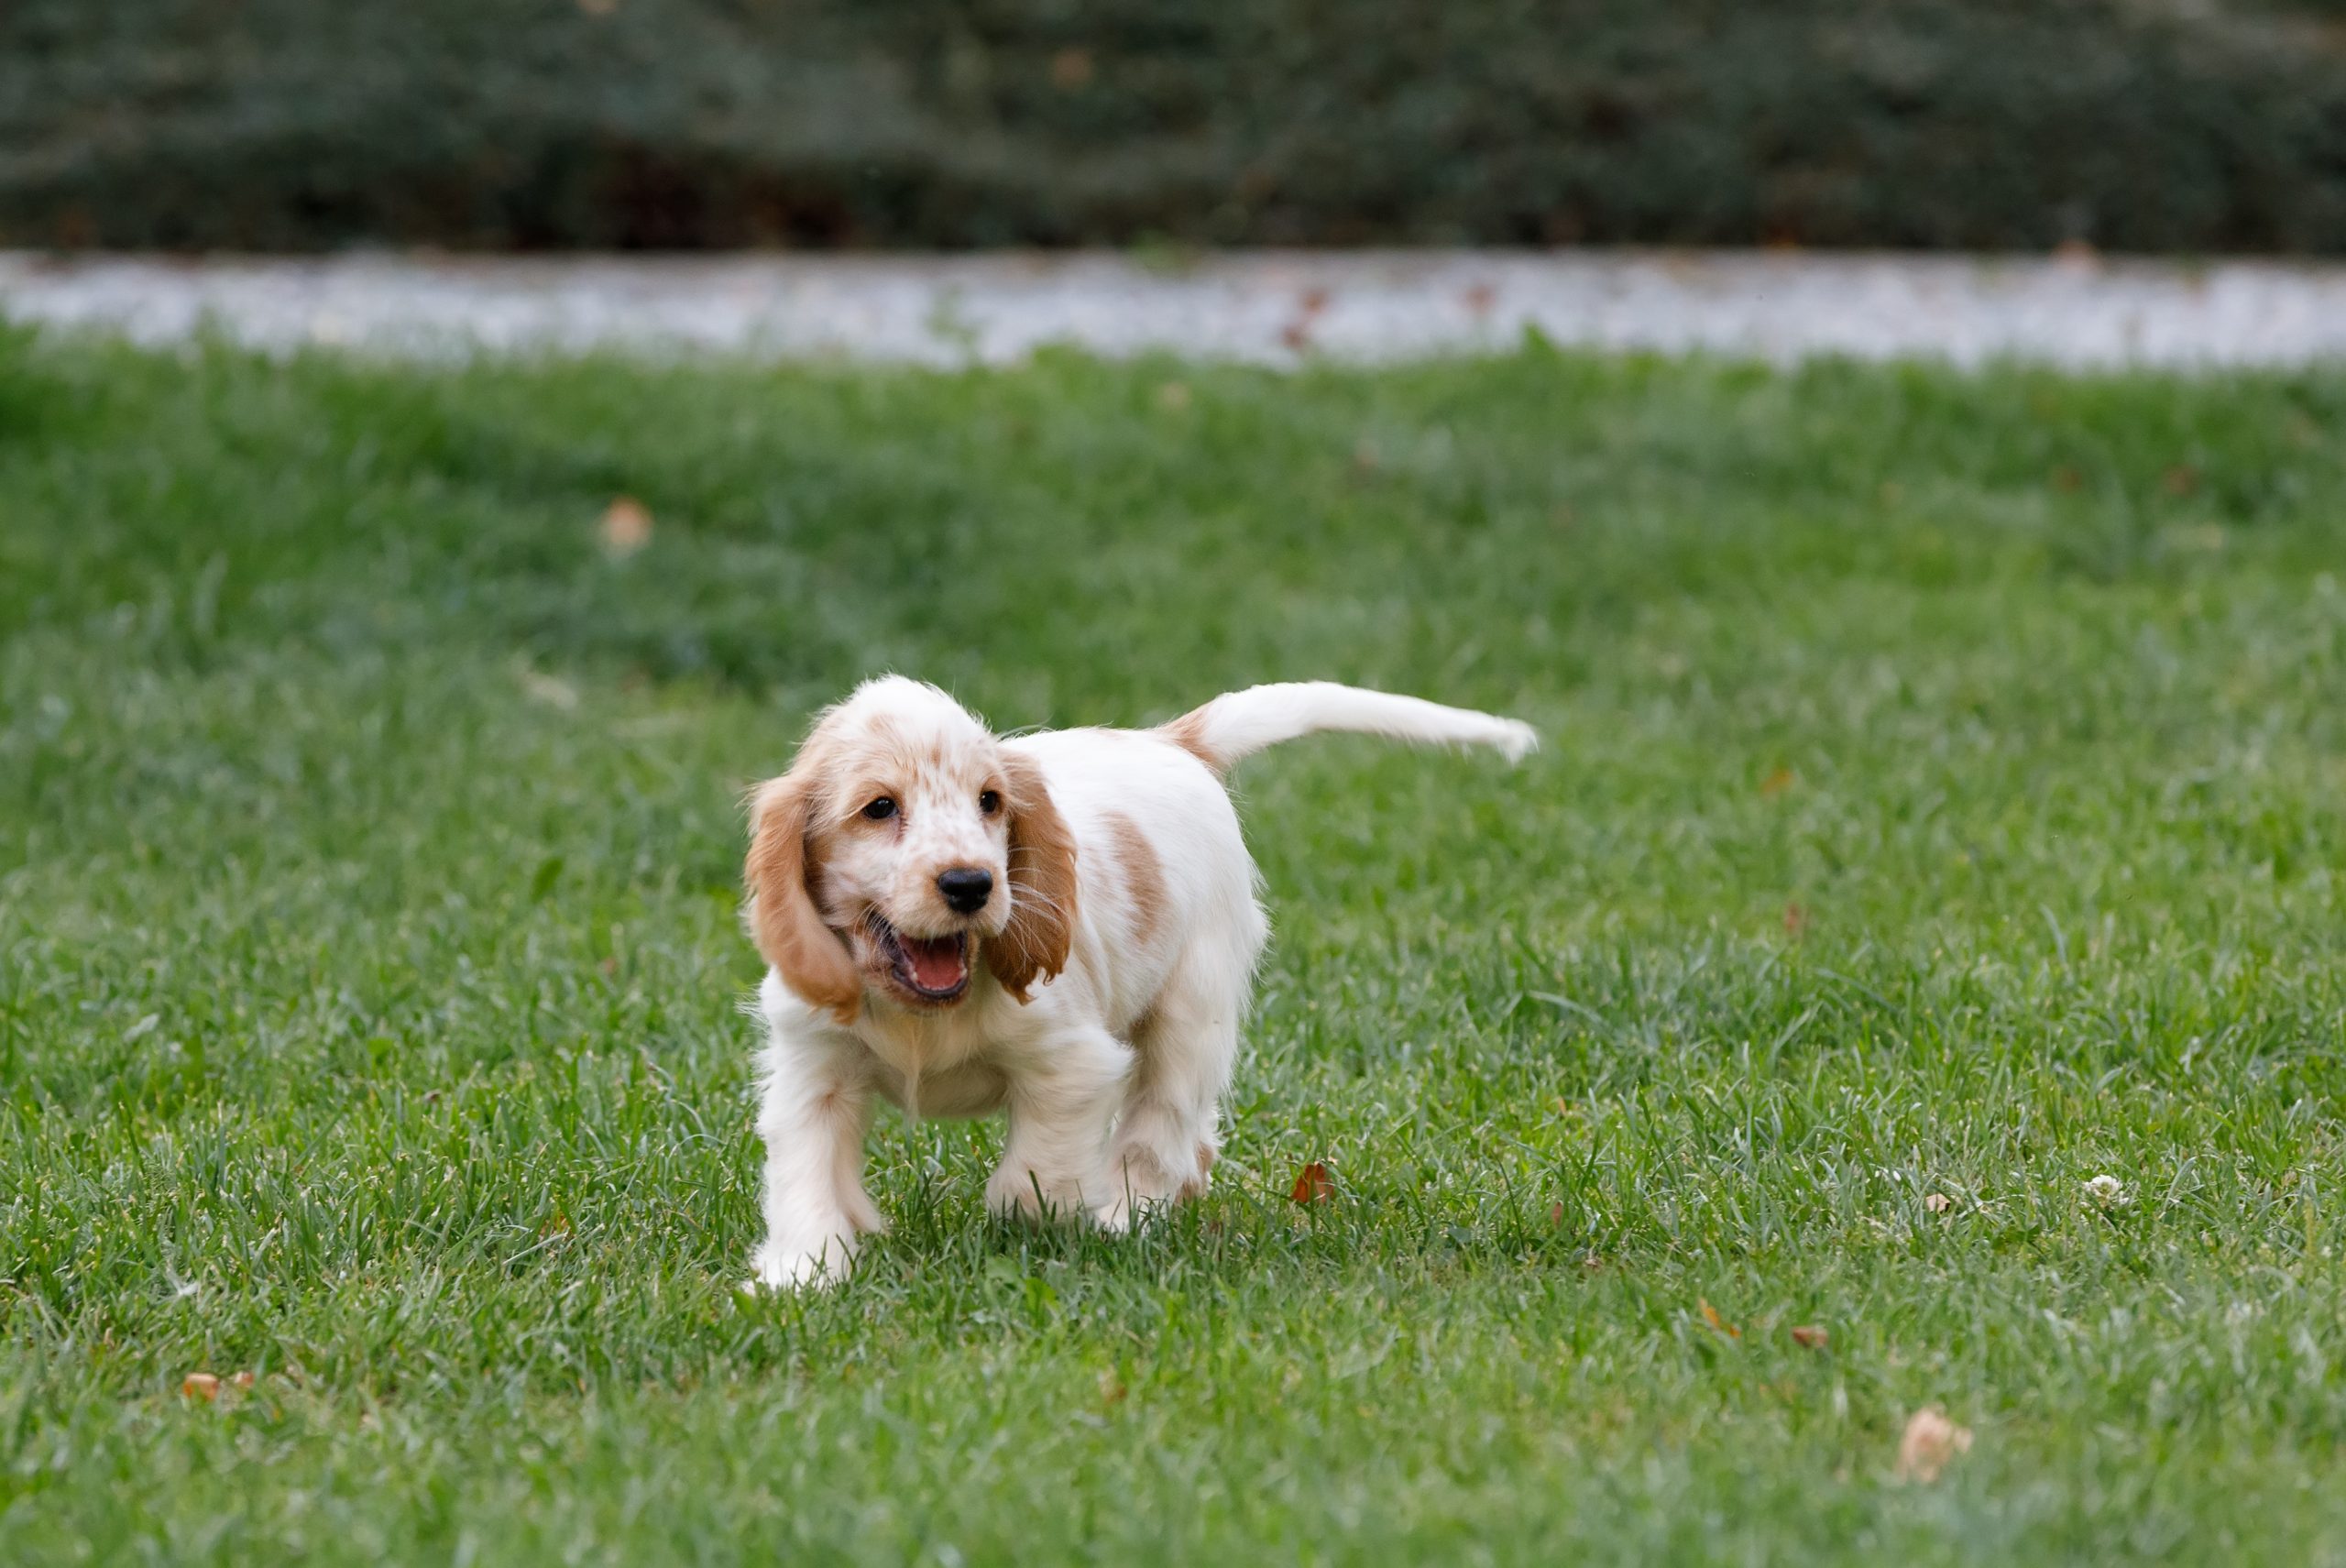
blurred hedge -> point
(2149, 125)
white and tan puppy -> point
(1060, 926)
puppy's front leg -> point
(812, 1116)
(1064, 1090)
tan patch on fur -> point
(1035, 943)
(1196, 1186)
(788, 928)
(1189, 732)
(1144, 876)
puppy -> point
(1060, 926)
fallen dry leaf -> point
(243, 1382)
(1931, 1442)
(1795, 919)
(1556, 1215)
(1775, 784)
(200, 1386)
(1938, 1202)
(627, 526)
(1314, 1184)
(1111, 1388)
(1808, 1336)
(1711, 1316)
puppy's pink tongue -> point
(936, 961)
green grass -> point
(1943, 794)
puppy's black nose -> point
(966, 888)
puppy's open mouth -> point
(931, 968)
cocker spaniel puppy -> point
(1060, 926)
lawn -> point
(1944, 788)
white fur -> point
(1113, 1072)
(1239, 724)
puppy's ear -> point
(1042, 884)
(789, 930)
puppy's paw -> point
(1149, 1184)
(799, 1268)
(1021, 1194)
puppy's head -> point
(903, 847)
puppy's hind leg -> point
(1186, 1045)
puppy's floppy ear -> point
(788, 929)
(1042, 884)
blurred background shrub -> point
(2133, 125)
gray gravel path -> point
(1262, 307)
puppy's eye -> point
(881, 809)
(988, 802)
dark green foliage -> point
(1990, 123)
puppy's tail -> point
(1236, 724)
